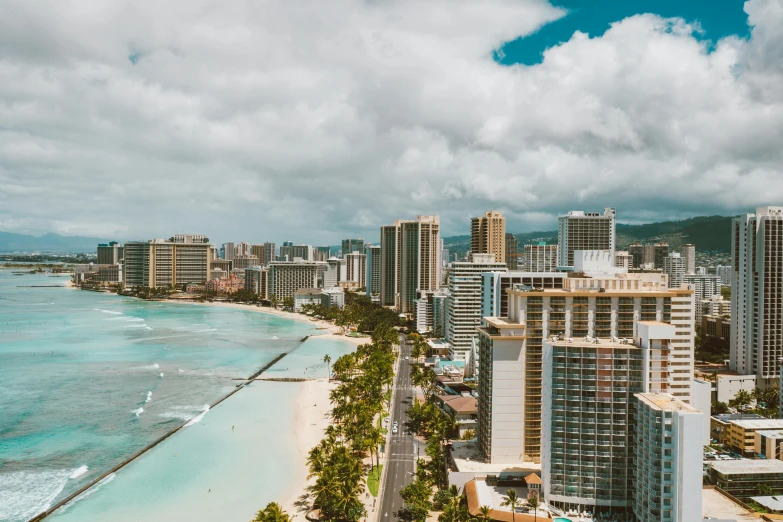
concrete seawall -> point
(144, 450)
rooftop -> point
(502, 322)
(664, 401)
(460, 403)
(771, 434)
(773, 503)
(308, 291)
(654, 323)
(717, 508)
(736, 467)
(759, 424)
(729, 417)
(478, 494)
(467, 458)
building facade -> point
(373, 266)
(353, 245)
(286, 277)
(257, 281)
(674, 266)
(603, 306)
(689, 253)
(464, 301)
(667, 467)
(245, 261)
(160, 264)
(488, 235)
(109, 254)
(579, 230)
(540, 257)
(512, 252)
(757, 294)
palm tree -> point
(532, 503)
(272, 513)
(485, 513)
(327, 360)
(512, 501)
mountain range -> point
(708, 233)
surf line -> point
(144, 450)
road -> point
(401, 452)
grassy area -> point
(374, 480)
(380, 420)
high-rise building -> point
(540, 257)
(245, 261)
(757, 294)
(704, 286)
(689, 253)
(581, 230)
(353, 245)
(373, 277)
(356, 269)
(724, 272)
(648, 256)
(285, 278)
(189, 238)
(674, 267)
(668, 460)
(109, 254)
(292, 252)
(596, 305)
(410, 261)
(488, 235)
(439, 315)
(159, 263)
(228, 251)
(589, 440)
(322, 253)
(494, 286)
(242, 249)
(622, 259)
(331, 276)
(512, 251)
(463, 305)
(257, 281)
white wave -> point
(198, 417)
(78, 472)
(274, 338)
(147, 327)
(180, 371)
(138, 411)
(96, 487)
(136, 325)
(205, 331)
(177, 415)
(149, 367)
(24, 494)
(161, 374)
(108, 311)
(130, 319)
(149, 396)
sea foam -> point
(24, 494)
(78, 472)
(149, 396)
(138, 411)
(198, 417)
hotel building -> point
(463, 304)
(109, 254)
(757, 294)
(597, 305)
(373, 266)
(353, 245)
(512, 252)
(159, 263)
(488, 235)
(667, 467)
(579, 230)
(410, 261)
(689, 253)
(540, 257)
(674, 266)
(286, 277)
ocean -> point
(90, 378)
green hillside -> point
(708, 233)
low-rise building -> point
(768, 443)
(333, 297)
(306, 296)
(716, 332)
(741, 478)
(720, 424)
(742, 433)
(463, 408)
(728, 384)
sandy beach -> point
(312, 419)
(329, 329)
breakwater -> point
(147, 448)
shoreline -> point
(330, 330)
(311, 419)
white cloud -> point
(309, 121)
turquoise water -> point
(89, 378)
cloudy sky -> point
(312, 120)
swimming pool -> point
(561, 519)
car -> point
(394, 430)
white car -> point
(394, 430)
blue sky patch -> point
(717, 18)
